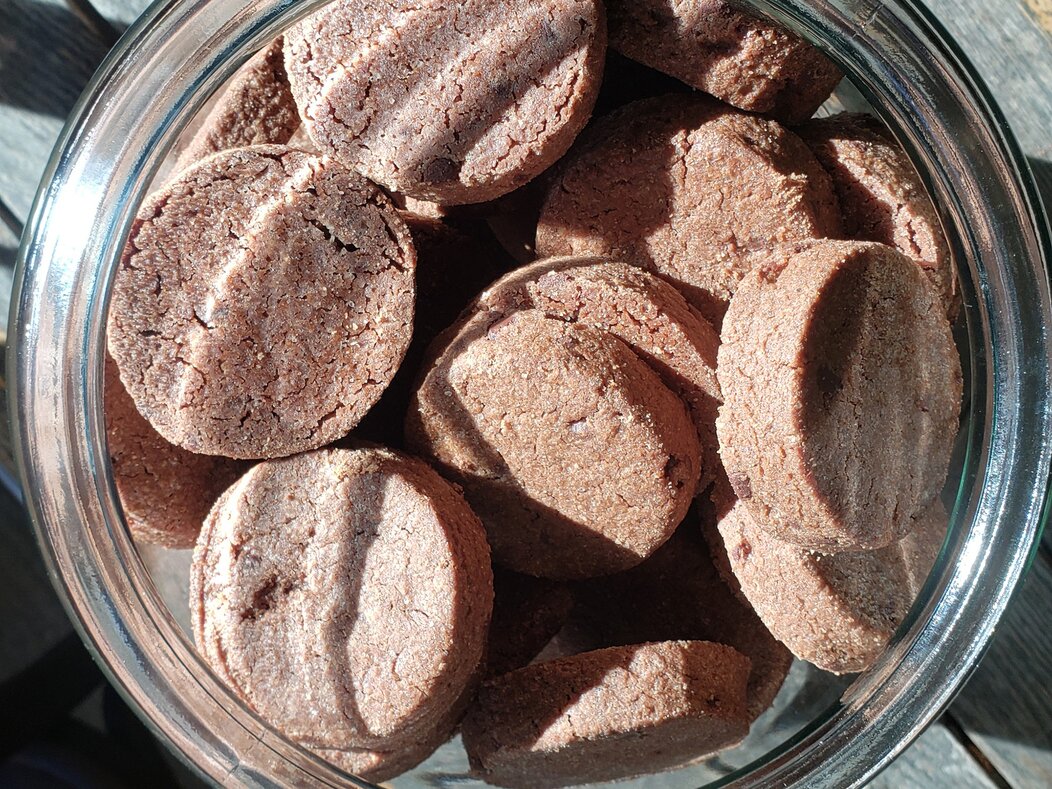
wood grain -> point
(1006, 708)
(120, 13)
(33, 621)
(934, 761)
(8, 248)
(1042, 12)
(39, 40)
(1014, 57)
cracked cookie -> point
(881, 196)
(263, 303)
(842, 389)
(839, 610)
(677, 594)
(724, 51)
(345, 595)
(165, 491)
(451, 102)
(646, 313)
(383, 765)
(689, 189)
(574, 454)
(608, 714)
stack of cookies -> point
(437, 372)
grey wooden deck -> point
(999, 731)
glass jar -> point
(161, 73)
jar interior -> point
(809, 695)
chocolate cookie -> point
(715, 47)
(454, 262)
(301, 141)
(881, 196)
(375, 766)
(609, 714)
(527, 613)
(838, 610)
(650, 316)
(677, 594)
(379, 766)
(255, 108)
(449, 102)
(345, 595)
(689, 189)
(575, 455)
(842, 389)
(165, 491)
(264, 301)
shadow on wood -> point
(39, 41)
(1005, 708)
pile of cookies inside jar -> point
(542, 375)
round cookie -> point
(454, 262)
(837, 611)
(345, 595)
(379, 766)
(842, 389)
(527, 613)
(447, 102)
(881, 196)
(650, 316)
(609, 714)
(715, 47)
(165, 491)
(255, 108)
(264, 301)
(677, 594)
(574, 454)
(690, 189)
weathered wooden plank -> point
(47, 54)
(120, 13)
(8, 247)
(1006, 709)
(1014, 56)
(1041, 10)
(934, 761)
(31, 619)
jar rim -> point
(162, 72)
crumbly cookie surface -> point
(608, 714)
(345, 595)
(453, 102)
(881, 195)
(255, 108)
(646, 313)
(165, 491)
(715, 47)
(264, 301)
(842, 389)
(837, 611)
(690, 189)
(574, 454)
